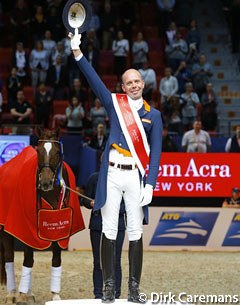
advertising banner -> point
(197, 175)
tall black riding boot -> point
(135, 256)
(108, 260)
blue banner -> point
(184, 228)
(232, 237)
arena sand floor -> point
(195, 273)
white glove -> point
(146, 195)
(75, 40)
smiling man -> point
(134, 142)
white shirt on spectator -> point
(196, 142)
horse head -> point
(50, 160)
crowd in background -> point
(42, 59)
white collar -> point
(136, 103)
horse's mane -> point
(49, 135)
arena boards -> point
(95, 302)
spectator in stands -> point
(74, 114)
(168, 88)
(233, 143)
(120, 50)
(209, 116)
(38, 24)
(13, 86)
(189, 102)
(54, 21)
(92, 55)
(165, 10)
(77, 90)
(20, 62)
(20, 21)
(234, 201)
(177, 51)
(150, 80)
(44, 105)
(183, 76)
(66, 44)
(196, 140)
(91, 38)
(95, 21)
(168, 144)
(139, 52)
(98, 114)
(99, 140)
(107, 19)
(201, 72)
(39, 64)
(193, 35)
(48, 43)
(57, 79)
(59, 51)
(21, 111)
(171, 33)
(192, 56)
(174, 118)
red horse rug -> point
(19, 212)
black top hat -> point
(77, 14)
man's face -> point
(132, 84)
(20, 96)
(238, 131)
(197, 125)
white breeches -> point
(122, 184)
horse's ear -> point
(57, 132)
(39, 132)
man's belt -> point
(123, 166)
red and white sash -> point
(133, 130)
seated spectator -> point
(196, 140)
(171, 33)
(39, 64)
(201, 72)
(91, 38)
(233, 143)
(193, 35)
(99, 140)
(168, 144)
(209, 116)
(98, 114)
(54, 21)
(20, 62)
(94, 21)
(233, 201)
(44, 104)
(66, 44)
(150, 81)
(92, 55)
(120, 48)
(189, 102)
(168, 88)
(139, 52)
(57, 79)
(183, 76)
(13, 86)
(74, 115)
(21, 111)
(177, 51)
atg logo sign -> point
(184, 228)
(232, 237)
